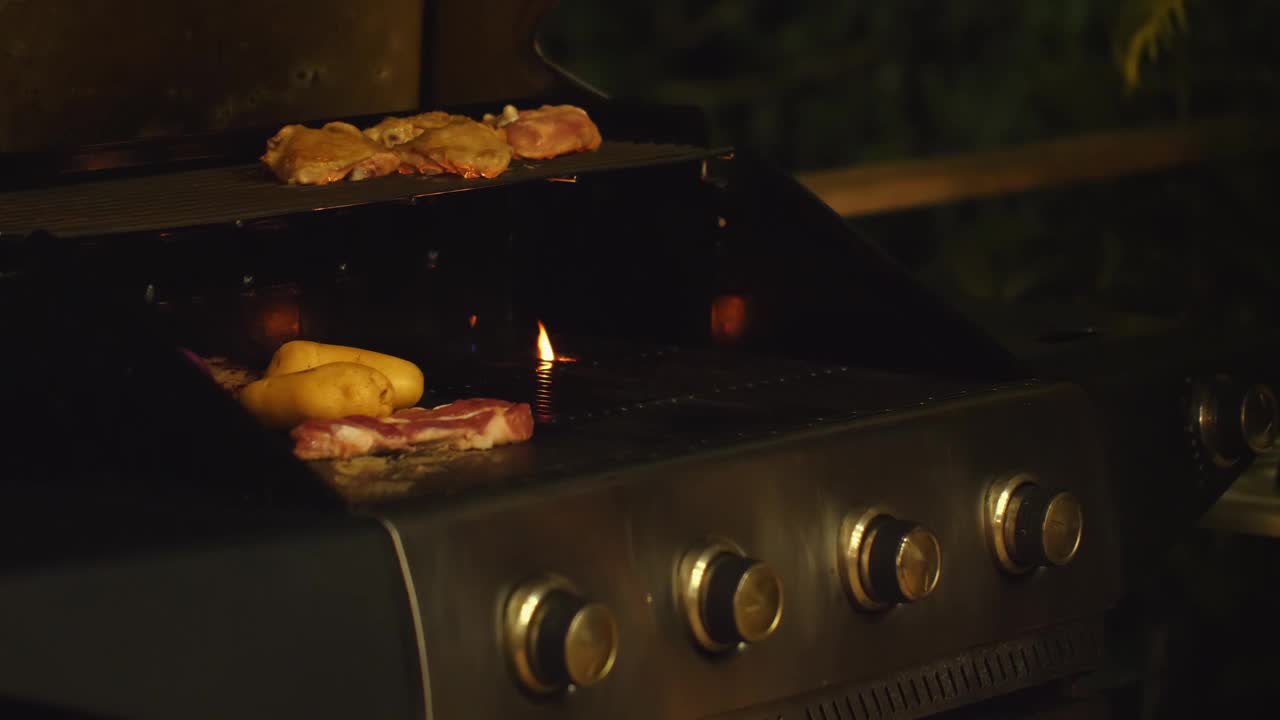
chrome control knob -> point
(1260, 418)
(554, 637)
(1031, 526)
(884, 560)
(1233, 420)
(726, 597)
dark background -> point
(813, 84)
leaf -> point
(1161, 21)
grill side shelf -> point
(228, 194)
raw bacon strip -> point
(478, 424)
(465, 424)
(346, 437)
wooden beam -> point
(870, 189)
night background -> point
(814, 85)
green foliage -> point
(822, 83)
(816, 84)
(1159, 23)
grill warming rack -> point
(244, 192)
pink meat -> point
(464, 424)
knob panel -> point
(1031, 526)
(884, 560)
(555, 638)
(726, 597)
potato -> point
(329, 391)
(298, 355)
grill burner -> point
(621, 404)
(248, 192)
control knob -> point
(726, 597)
(1031, 526)
(1260, 418)
(1234, 420)
(554, 637)
(884, 560)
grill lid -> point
(182, 69)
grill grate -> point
(615, 407)
(977, 675)
(248, 192)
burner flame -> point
(545, 352)
(542, 405)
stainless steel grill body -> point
(618, 536)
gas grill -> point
(771, 476)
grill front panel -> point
(618, 536)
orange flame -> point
(545, 352)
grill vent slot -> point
(971, 677)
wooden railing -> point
(870, 189)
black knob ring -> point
(886, 535)
(726, 573)
(526, 638)
(1031, 526)
(546, 640)
(1004, 517)
(1032, 508)
(857, 534)
(708, 583)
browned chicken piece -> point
(301, 155)
(547, 132)
(394, 131)
(461, 146)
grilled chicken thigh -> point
(301, 155)
(458, 145)
(394, 131)
(547, 132)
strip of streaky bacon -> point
(464, 424)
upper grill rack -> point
(230, 194)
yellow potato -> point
(299, 355)
(329, 391)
